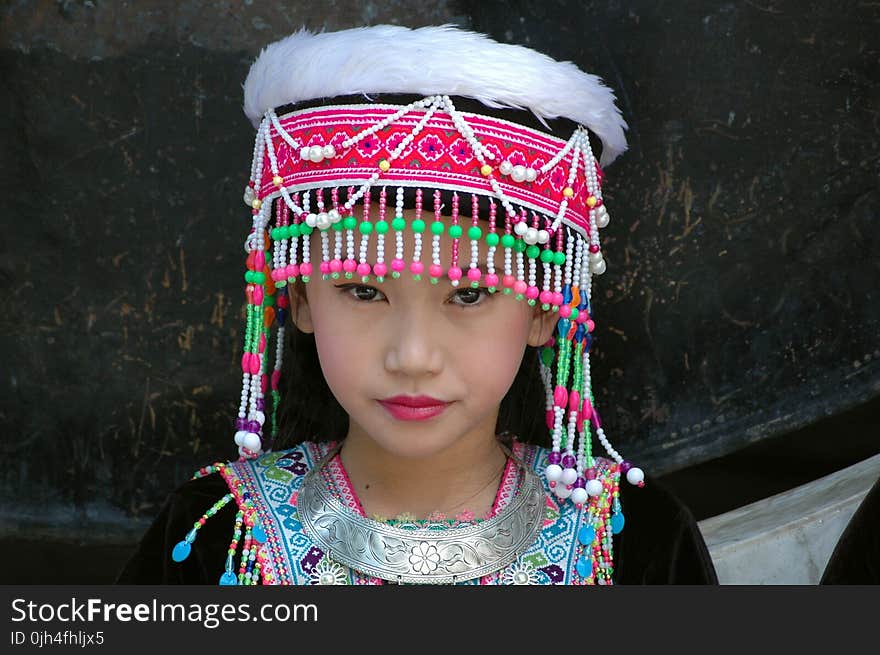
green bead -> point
(574, 314)
(507, 291)
(349, 222)
(547, 256)
(559, 258)
(474, 232)
(418, 225)
(305, 229)
(305, 279)
(492, 289)
(348, 276)
(434, 280)
(532, 302)
(547, 356)
(398, 223)
(519, 296)
(492, 239)
(294, 230)
(249, 277)
(381, 227)
(417, 277)
(334, 275)
(455, 231)
(437, 227)
(395, 275)
(545, 306)
(281, 284)
(532, 252)
(337, 226)
(380, 278)
(276, 233)
(508, 241)
(258, 277)
(268, 300)
(520, 245)
(366, 227)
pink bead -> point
(380, 270)
(582, 317)
(363, 270)
(492, 280)
(557, 299)
(305, 268)
(594, 247)
(255, 364)
(262, 342)
(246, 363)
(508, 281)
(283, 301)
(590, 325)
(590, 474)
(565, 311)
(520, 287)
(435, 270)
(587, 411)
(335, 265)
(292, 270)
(258, 294)
(397, 265)
(474, 274)
(416, 268)
(546, 297)
(454, 273)
(276, 377)
(574, 398)
(560, 396)
(532, 292)
(324, 267)
(550, 418)
(264, 383)
(349, 266)
(260, 261)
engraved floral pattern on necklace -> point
(424, 558)
(328, 572)
(520, 573)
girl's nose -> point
(412, 347)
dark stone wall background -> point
(740, 305)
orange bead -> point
(575, 297)
(268, 316)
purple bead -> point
(554, 458)
(580, 483)
(568, 462)
(590, 474)
(261, 404)
(625, 466)
(240, 424)
(254, 427)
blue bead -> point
(586, 535)
(258, 533)
(281, 316)
(584, 567)
(181, 551)
(566, 293)
(563, 326)
(579, 333)
(228, 578)
(617, 522)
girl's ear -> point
(543, 323)
(300, 312)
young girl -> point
(426, 207)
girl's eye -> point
(362, 292)
(470, 297)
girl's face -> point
(406, 337)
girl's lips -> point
(413, 408)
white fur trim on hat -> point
(427, 61)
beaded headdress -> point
(322, 163)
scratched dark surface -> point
(740, 304)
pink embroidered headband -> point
(317, 170)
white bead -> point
(594, 487)
(599, 267)
(579, 496)
(506, 167)
(304, 152)
(596, 257)
(312, 220)
(543, 236)
(259, 417)
(322, 221)
(334, 216)
(602, 217)
(635, 475)
(531, 236)
(518, 174)
(531, 175)
(239, 437)
(562, 491)
(316, 154)
(249, 196)
(329, 152)
(553, 472)
(569, 476)
(520, 228)
(251, 441)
